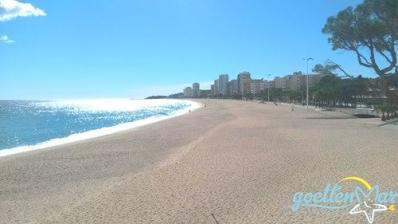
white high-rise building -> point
(280, 83)
(188, 92)
(216, 88)
(257, 86)
(195, 90)
(233, 87)
(296, 81)
(244, 83)
(223, 84)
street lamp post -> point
(307, 60)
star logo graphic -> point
(366, 205)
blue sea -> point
(37, 124)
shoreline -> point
(96, 133)
(233, 161)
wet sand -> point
(230, 162)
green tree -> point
(370, 31)
(330, 68)
(327, 91)
(327, 69)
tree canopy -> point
(370, 30)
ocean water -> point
(27, 125)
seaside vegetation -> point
(370, 30)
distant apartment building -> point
(233, 87)
(295, 82)
(216, 88)
(229, 89)
(266, 84)
(223, 84)
(205, 93)
(195, 90)
(280, 83)
(244, 83)
(314, 79)
(270, 84)
(257, 86)
(187, 92)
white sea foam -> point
(104, 105)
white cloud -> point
(5, 39)
(11, 9)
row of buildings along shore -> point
(244, 85)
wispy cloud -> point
(5, 39)
(11, 9)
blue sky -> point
(135, 48)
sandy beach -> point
(230, 162)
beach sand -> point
(230, 162)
